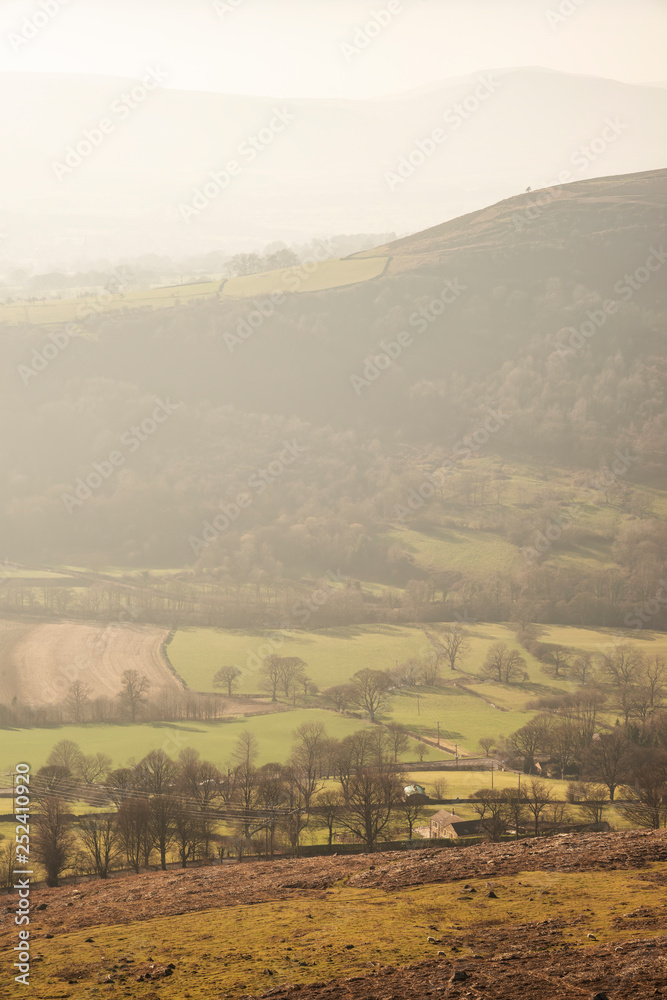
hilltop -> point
(423, 428)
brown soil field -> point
(545, 949)
(38, 662)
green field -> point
(467, 707)
(214, 741)
(327, 274)
(332, 655)
(478, 553)
(316, 278)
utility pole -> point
(456, 748)
(491, 774)
(438, 724)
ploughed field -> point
(38, 662)
(559, 917)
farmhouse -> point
(446, 824)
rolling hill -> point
(333, 164)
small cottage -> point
(449, 825)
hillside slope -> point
(563, 912)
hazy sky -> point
(295, 47)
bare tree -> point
(291, 670)
(271, 673)
(622, 664)
(592, 801)
(530, 739)
(490, 806)
(328, 805)
(341, 695)
(308, 750)
(515, 807)
(187, 830)
(65, 753)
(8, 864)
(161, 824)
(504, 664)
(410, 809)
(456, 643)
(408, 673)
(431, 669)
(246, 776)
(94, 766)
(399, 739)
(373, 794)
(537, 798)
(609, 760)
(133, 820)
(77, 701)
(227, 677)
(557, 660)
(646, 795)
(372, 691)
(487, 743)
(52, 840)
(156, 773)
(583, 668)
(101, 841)
(132, 697)
(654, 678)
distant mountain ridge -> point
(328, 171)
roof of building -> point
(448, 818)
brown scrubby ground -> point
(553, 956)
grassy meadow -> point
(326, 274)
(214, 740)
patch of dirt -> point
(526, 970)
(38, 662)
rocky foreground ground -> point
(536, 959)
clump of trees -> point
(160, 807)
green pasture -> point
(306, 278)
(463, 718)
(332, 655)
(214, 741)
(477, 553)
